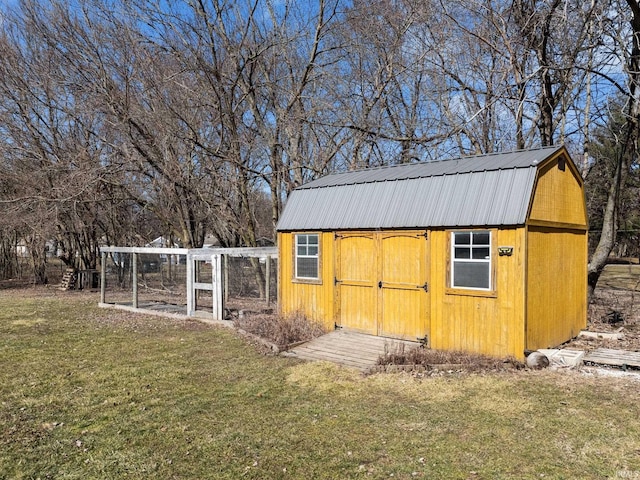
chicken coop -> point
(212, 283)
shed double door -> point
(382, 283)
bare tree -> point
(191, 117)
(66, 182)
(626, 153)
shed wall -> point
(559, 196)
(556, 286)
(491, 325)
(315, 300)
(481, 322)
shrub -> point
(403, 355)
(282, 331)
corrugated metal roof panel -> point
(461, 197)
(487, 198)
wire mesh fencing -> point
(249, 283)
(159, 279)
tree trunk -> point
(8, 256)
(38, 261)
(629, 151)
(609, 226)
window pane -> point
(471, 275)
(480, 253)
(312, 250)
(302, 250)
(481, 238)
(463, 252)
(301, 239)
(312, 239)
(462, 238)
(307, 267)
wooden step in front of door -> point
(348, 348)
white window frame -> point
(308, 246)
(488, 260)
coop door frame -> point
(194, 283)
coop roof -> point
(484, 190)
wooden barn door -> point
(381, 281)
(403, 286)
(356, 271)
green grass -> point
(102, 394)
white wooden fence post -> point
(217, 290)
(268, 280)
(190, 286)
(225, 283)
(103, 276)
(134, 280)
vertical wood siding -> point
(558, 196)
(316, 301)
(557, 258)
(557, 286)
(492, 325)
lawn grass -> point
(87, 393)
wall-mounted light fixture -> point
(505, 251)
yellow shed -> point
(484, 254)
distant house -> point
(23, 250)
(483, 254)
(152, 263)
(162, 242)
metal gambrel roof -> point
(485, 190)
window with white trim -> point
(307, 256)
(471, 260)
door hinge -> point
(425, 235)
(425, 287)
(380, 284)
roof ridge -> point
(334, 178)
(462, 157)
